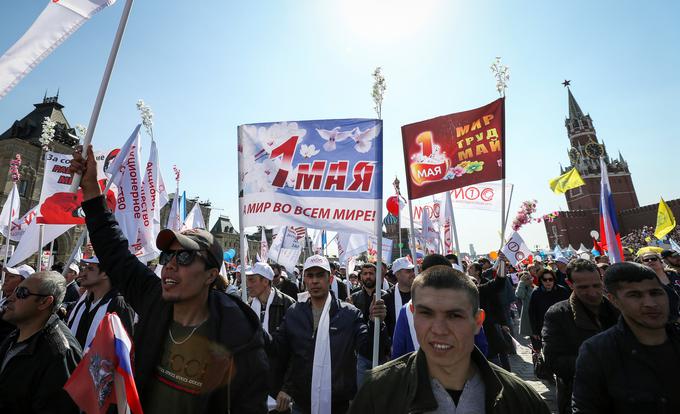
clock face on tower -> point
(574, 156)
(594, 150)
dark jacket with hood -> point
(232, 323)
(296, 339)
(614, 374)
(403, 386)
(33, 380)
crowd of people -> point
(304, 340)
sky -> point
(206, 67)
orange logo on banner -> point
(435, 168)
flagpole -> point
(41, 237)
(414, 253)
(507, 213)
(283, 241)
(92, 125)
(455, 229)
(378, 284)
(242, 237)
(9, 234)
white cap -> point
(401, 264)
(73, 266)
(562, 259)
(92, 259)
(262, 269)
(23, 270)
(317, 261)
(457, 267)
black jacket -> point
(362, 301)
(403, 386)
(33, 380)
(490, 292)
(391, 318)
(72, 293)
(116, 303)
(232, 323)
(614, 375)
(277, 311)
(296, 339)
(288, 288)
(566, 326)
(541, 300)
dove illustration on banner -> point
(364, 139)
(332, 136)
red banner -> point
(454, 151)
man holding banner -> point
(181, 317)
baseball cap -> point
(262, 269)
(74, 266)
(562, 259)
(249, 270)
(193, 239)
(23, 270)
(317, 261)
(669, 253)
(401, 264)
(93, 260)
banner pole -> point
(455, 229)
(41, 237)
(401, 254)
(283, 241)
(507, 212)
(414, 253)
(378, 285)
(242, 236)
(102, 88)
(9, 235)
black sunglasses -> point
(548, 279)
(650, 259)
(22, 292)
(183, 257)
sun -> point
(386, 19)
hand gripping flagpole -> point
(102, 88)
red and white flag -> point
(10, 211)
(104, 375)
(447, 224)
(59, 20)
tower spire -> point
(574, 109)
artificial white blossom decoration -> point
(81, 131)
(147, 117)
(378, 92)
(47, 133)
(502, 75)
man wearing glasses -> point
(13, 276)
(669, 280)
(198, 349)
(40, 355)
(672, 259)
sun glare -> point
(386, 20)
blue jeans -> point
(363, 365)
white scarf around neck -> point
(78, 314)
(397, 302)
(256, 306)
(321, 371)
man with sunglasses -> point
(13, 276)
(198, 349)
(99, 299)
(672, 259)
(669, 280)
(40, 355)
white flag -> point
(10, 211)
(194, 220)
(59, 20)
(515, 249)
(430, 234)
(31, 237)
(174, 219)
(285, 249)
(264, 247)
(350, 245)
(447, 225)
(674, 245)
(128, 178)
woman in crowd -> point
(547, 294)
(669, 279)
(523, 293)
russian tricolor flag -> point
(609, 227)
(104, 375)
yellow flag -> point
(567, 181)
(665, 222)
